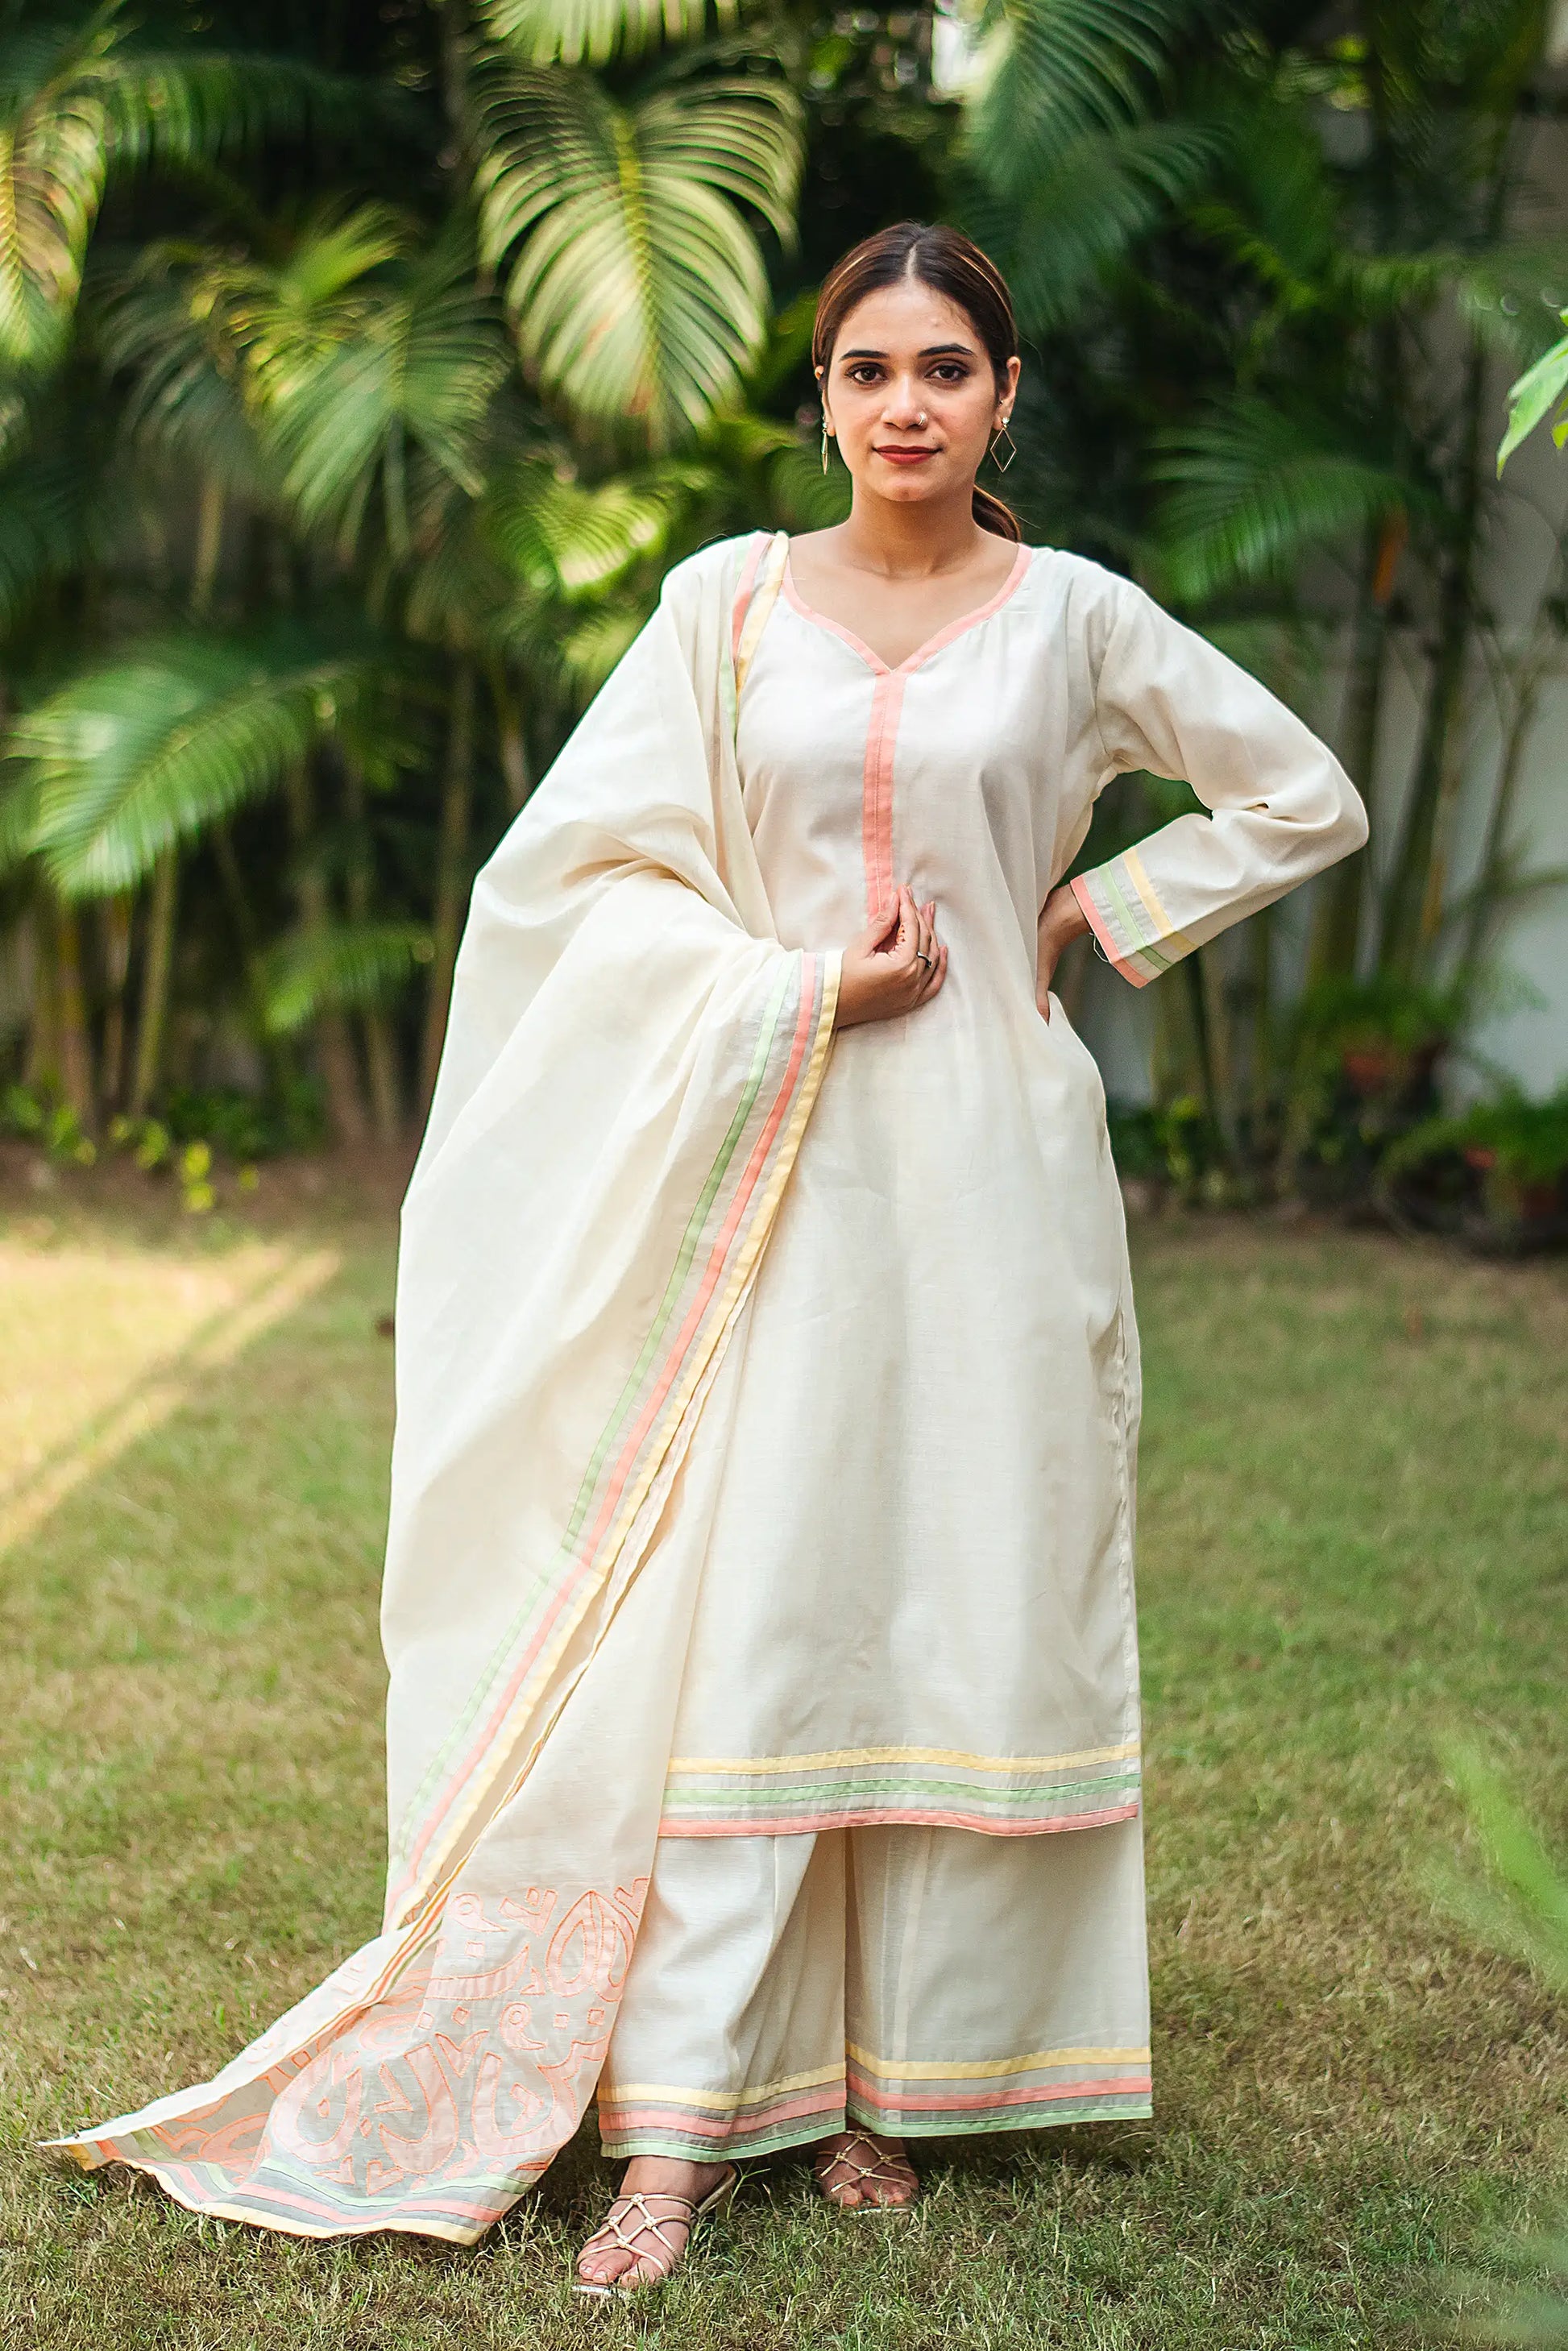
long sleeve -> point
(1281, 806)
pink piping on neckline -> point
(935, 644)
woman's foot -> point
(862, 2168)
(642, 2237)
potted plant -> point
(1364, 1061)
(1497, 1173)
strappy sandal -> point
(683, 2212)
(887, 2169)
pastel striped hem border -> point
(1018, 1796)
(655, 2125)
(1122, 910)
(677, 2122)
(214, 2193)
(787, 1824)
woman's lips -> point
(902, 456)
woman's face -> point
(911, 396)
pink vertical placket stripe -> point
(877, 792)
(804, 1025)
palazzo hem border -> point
(1060, 2114)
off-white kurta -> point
(917, 1599)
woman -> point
(763, 1725)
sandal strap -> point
(845, 2158)
(649, 2224)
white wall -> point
(1526, 1039)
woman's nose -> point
(905, 405)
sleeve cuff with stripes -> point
(1127, 917)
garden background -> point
(362, 367)
(363, 370)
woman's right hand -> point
(895, 966)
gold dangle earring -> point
(1001, 464)
(824, 440)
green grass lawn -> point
(1353, 1540)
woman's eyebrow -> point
(931, 351)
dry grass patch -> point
(1352, 1544)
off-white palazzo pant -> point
(914, 1979)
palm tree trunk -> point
(1261, 1071)
(158, 963)
(1211, 1028)
(40, 1071)
(451, 874)
(210, 508)
(115, 930)
(76, 1043)
(274, 1050)
(509, 735)
(334, 1044)
(380, 1044)
(1335, 942)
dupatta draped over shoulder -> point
(630, 1063)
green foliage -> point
(80, 98)
(636, 288)
(592, 32)
(360, 377)
(1524, 1141)
(132, 758)
(341, 968)
(1517, 1904)
(1255, 486)
(1542, 393)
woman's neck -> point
(909, 542)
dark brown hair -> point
(945, 260)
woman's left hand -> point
(1061, 920)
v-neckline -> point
(944, 636)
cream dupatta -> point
(630, 1063)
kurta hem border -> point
(915, 1787)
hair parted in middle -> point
(951, 265)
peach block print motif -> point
(433, 2076)
(464, 2072)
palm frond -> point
(148, 750)
(369, 355)
(56, 514)
(1051, 69)
(19, 814)
(165, 324)
(342, 968)
(1104, 191)
(78, 99)
(590, 32)
(636, 287)
(1254, 488)
(571, 540)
